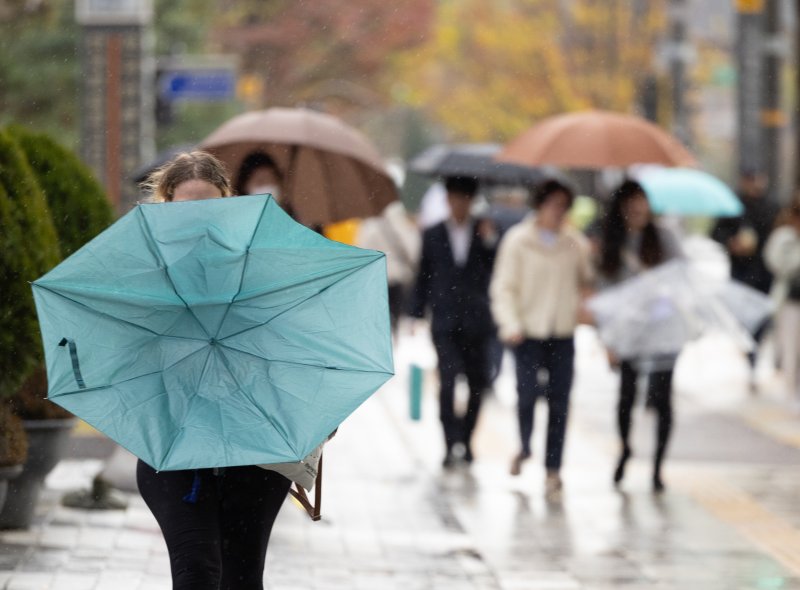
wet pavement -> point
(392, 519)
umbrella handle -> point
(299, 494)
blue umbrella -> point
(215, 333)
(689, 192)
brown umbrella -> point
(331, 172)
(596, 139)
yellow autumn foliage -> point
(491, 69)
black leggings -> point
(218, 542)
(659, 397)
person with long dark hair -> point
(632, 242)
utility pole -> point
(749, 28)
(797, 101)
(117, 114)
(679, 57)
(772, 116)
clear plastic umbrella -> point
(652, 316)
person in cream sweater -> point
(541, 271)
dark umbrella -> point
(475, 160)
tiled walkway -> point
(392, 520)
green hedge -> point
(78, 204)
(28, 249)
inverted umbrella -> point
(594, 140)
(655, 314)
(331, 171)
(684, 191)
(215, 333)
(474, 160)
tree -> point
(332, 52)
(79, 207)
(28, 249)
(609, 48)
(491, 69)
(38, 67)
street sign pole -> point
(679, 56)
(116, 106)
(749, 20)
(772, 115)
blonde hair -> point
(194, 165)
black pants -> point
(458, 353)
(659, 397)
(397, 299)
(220, 541)
(557, 357)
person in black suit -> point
(453, 281)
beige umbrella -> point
(596, 139)
(331, 171)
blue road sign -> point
(198, 84)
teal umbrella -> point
(689, 192)
(215, 333)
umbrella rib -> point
(191, 404)
(326, 174)
(298, 304)
(332, 271)
(108, 315)
(299, 364)
(149, 234)
(244, 268)
(115, 383)
(267, 417)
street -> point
(393, 520)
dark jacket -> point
(759, 214)
(457, 296)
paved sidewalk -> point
(393, 519)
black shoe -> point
(619, 473)
(658, 484)
(449, 461)
(516, 463)
(468, 458)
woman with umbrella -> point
(632, 242)
(216, 523)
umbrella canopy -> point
(215, 333)
(685, 191)
(331, 171)
(475, 160)
(595, 140)
(653, 315)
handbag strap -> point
(299, 494)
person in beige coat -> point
(542, 267)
